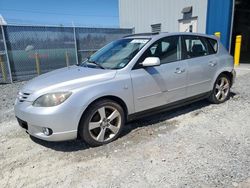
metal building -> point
(168, 15)
(229, 17)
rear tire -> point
(102, 122)
(221, 90)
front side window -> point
(167, 49)
(195, 46)
(115, 55)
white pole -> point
(231, 28)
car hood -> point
(68, 78)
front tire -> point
(221, 90)
(102, 122)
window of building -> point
(187, 12)
(156, 27)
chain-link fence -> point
(34, 50)
(91, 39)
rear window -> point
(214, 44)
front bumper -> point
(62, 120)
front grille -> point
(23, 96)
(22, 123)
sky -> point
(95, 13)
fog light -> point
(47, 131)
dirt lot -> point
(200, 145)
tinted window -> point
(214, 44)
(167, 49)
(195, 46)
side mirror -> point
(151, 61)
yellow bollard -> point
(217, 34)
(67, 58)
(3, 69)
(38, 70)
(237, 50)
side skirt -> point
(168, 107)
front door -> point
(160, 85)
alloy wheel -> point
(222, 88)
(105, 123)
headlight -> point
(51, 99)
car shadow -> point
(164, 116)
(65, 146)
(76, 145)
(168, 114)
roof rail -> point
(142, 34)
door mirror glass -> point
(151, 61)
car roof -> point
(157, 35)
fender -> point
(121, 89)
(225, 66)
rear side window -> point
(214, 44)
(195, 46)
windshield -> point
(115, 55)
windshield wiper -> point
(98, 65)
(93, 62)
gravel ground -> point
(200, 145)
(8, 93)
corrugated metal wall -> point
(142, 13)
(219, 17)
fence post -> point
(76, 51)
(133, 30)
(67, 58)
(6, 53)
(38, 70)
(2, 68)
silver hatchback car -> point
(128, 78)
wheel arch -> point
(230, 76)
(212, 98)
(110, 97)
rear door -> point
(201, 62)
(159, 85)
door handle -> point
(179, 70)
(212, 63)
